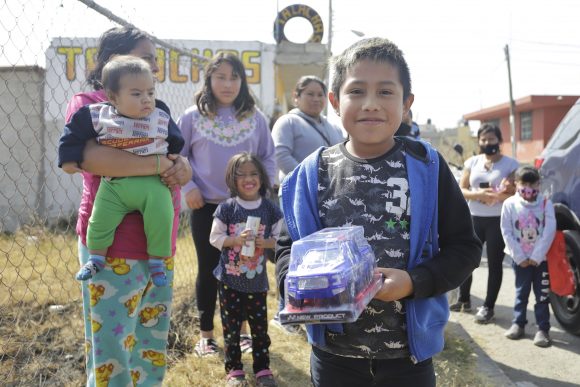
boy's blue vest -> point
(426, 317)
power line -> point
(546, 43)
(546, 50)
(553, 63)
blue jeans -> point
(331, 370)
(535, 277)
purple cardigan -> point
(211, 142)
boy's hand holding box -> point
(331, 277)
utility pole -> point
(328, 49)
(329, 27)
(512, 105)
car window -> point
(567, 132)
(316, 259)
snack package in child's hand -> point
(253, 223)
(330, 278)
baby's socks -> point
(95, 264)
(157, 270)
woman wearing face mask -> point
(486, 182)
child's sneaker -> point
(265, 378)
(515, 332)
(542, 339)
(236, 378)
(246, 343)
(484, 315)
(206, 347)
(460, 306)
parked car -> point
(559, 165)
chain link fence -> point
(43, 62)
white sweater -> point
(528, 228)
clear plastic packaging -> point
(331, 277)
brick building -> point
(536, 118)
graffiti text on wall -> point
(169, 63)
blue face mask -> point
(489, 149)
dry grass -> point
(37, 267)
(39, 347)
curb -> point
(484, 364)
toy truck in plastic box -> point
(330, 278)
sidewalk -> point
(523, 363)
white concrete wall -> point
(20, 130)
(32, 188)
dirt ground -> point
(41, 345)
(32, 341)
(524, 363)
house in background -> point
(536, 118)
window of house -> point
(525, 125)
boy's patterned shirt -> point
(373, 194)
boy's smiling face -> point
(371, 107)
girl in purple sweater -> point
(223, 122)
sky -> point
(455, 48)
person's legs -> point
(88, 323)
(257, 313)
(524, 276)
(231, 304)
(495, 255)
(541, 285)
(153, 199)
(149, 355)
(108, 212)
(128, 326)
(541, 308)
(465, 287)
(328, 370)
(207, 259)
(402, 373)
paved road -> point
(524, 363)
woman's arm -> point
(283, 136)
(507, 232)
(484, 195)
(185, 124)
(464, 185)
(109, 161)
(508, 187)
(179, 173)
(265, 150)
